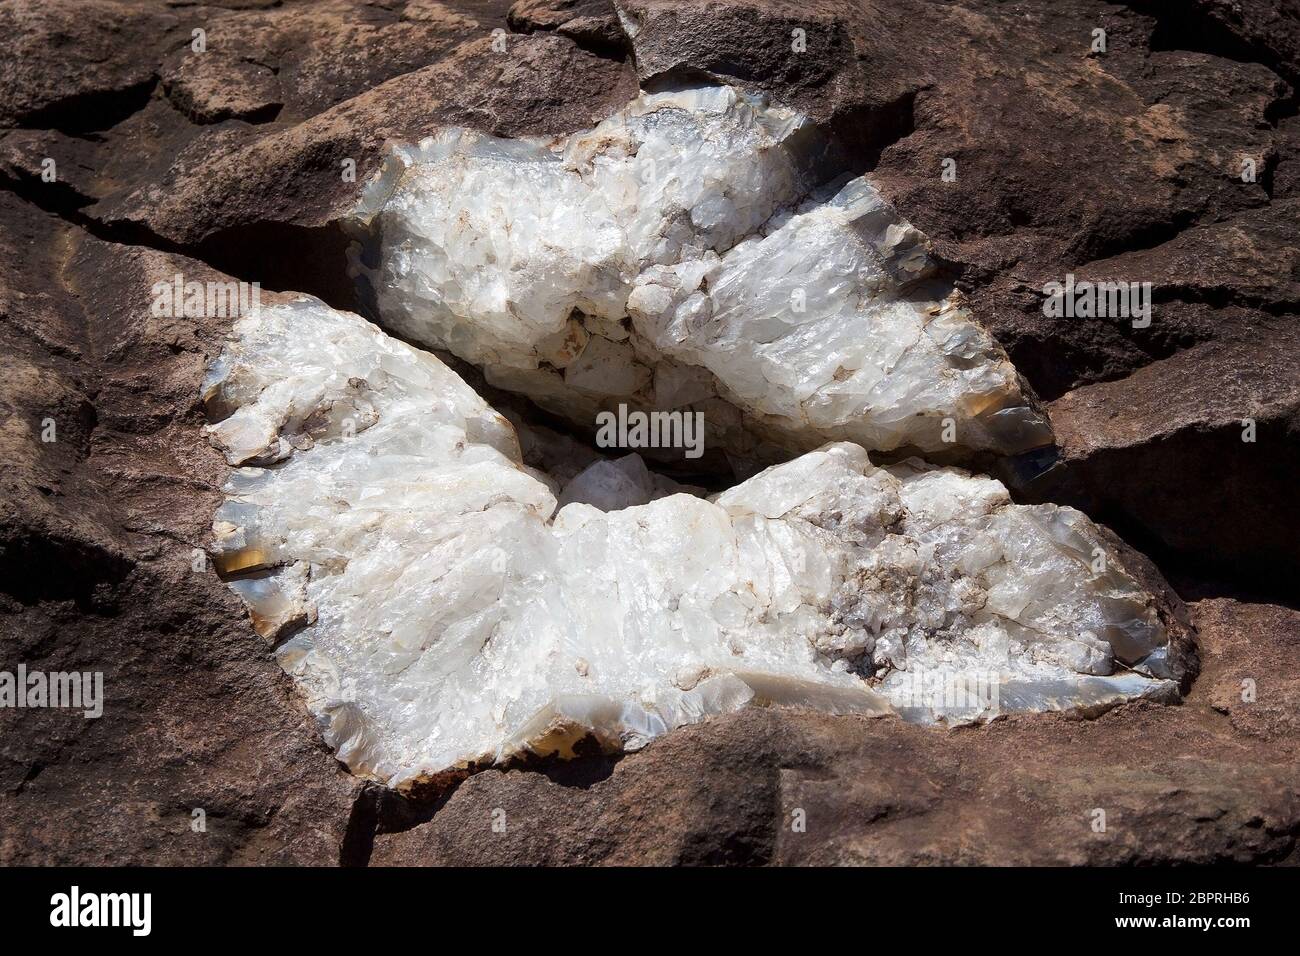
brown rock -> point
(593, 24)
(1162, 457)
(72, 65)
(98, 544)
(210, 88)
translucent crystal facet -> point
(682, 255)
(437, 608)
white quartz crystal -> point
(678, 256)
(437, 610)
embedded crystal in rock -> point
(681, 255)
(436, 608)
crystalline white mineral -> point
(447, 612)
(678, 256)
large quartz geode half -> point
(437, 610)
(685, 255)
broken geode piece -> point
(459, 616)
(683, 254)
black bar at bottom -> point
(399, 907)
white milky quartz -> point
(677, 256)
(436, 608)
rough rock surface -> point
(1194, 458)
(99, 525)
(1127, 163)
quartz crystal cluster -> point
(683, 255)
(438, 607)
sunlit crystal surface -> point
(682, 255)
(436, 608)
